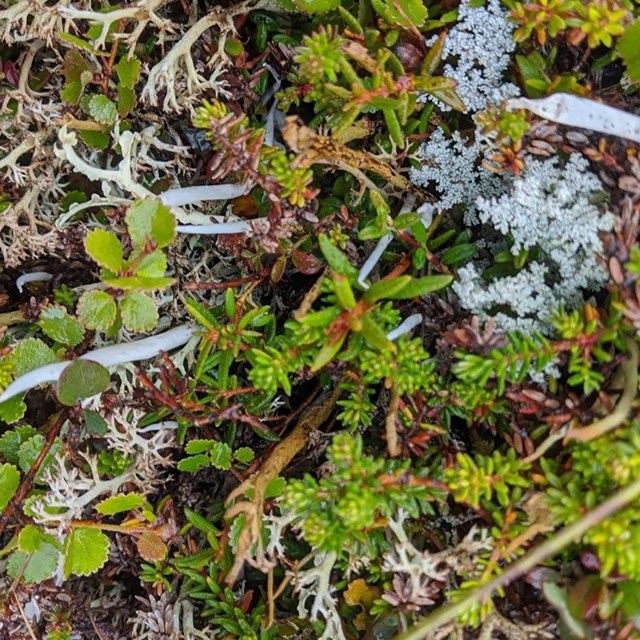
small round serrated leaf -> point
(82, 379)
(139, 312)
(151, 547)
(58, 325)
(85, 551)
(101, 109)
(31, 353)
(35, 567)
(97, 310)
(150, 219)
(9, 482)
(105, 248)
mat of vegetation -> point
(319, 319)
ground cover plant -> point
(319, 319)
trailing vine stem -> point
(552, 546)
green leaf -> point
(9, 483)
(96, 139)
(459, 253)
(343, 291)
(30, 539)
(153, 265)
(126, 100)
(422, 286)
(128, 70)
(150, 219)
(630, 51)
(82, 379)
(35, 567)
(147, 284)
(275, 488)
(221, 455)
(101, 109)
(118, 504)
(327, 353)
(194, 463)
(385, 289)
(13, 409)
(58, 325)
(199, 446)
(85, 551)
(139, 312)
(317, 6)
(336, 259)
(105, 248)
(77, 73)
(374, 334)
(244, 455)
(94, 423)
(11, 440)
(30, 354)
(30, 450)
(405, 14)
(97, 310)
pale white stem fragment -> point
(373, 259)
(191, 195)
(574, 111)
(215, 228)
(110, 356)
(170, 425)
(34, 276)
(405, 326)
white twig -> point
(215, 228)
(191, 195)
(373, 259)
(34, 276)
(405, 326)
(582, 113)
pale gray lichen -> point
(480, 45)
(451, 165)
(548, 209)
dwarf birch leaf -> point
(11, 440)
(30, 354)
(139, 312)
(9, 482)
(244, 455)
(97, 310)
(60, 326)
(13, 409)
(221, 455)
(30, 539)
(192, 464)
(151, 547)
(82, 379)
(128, 70)
(118, 504)
(105, 248)
(85, 551)
(152, 265)
(35, 567)
(101, 109)
(152, 220)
